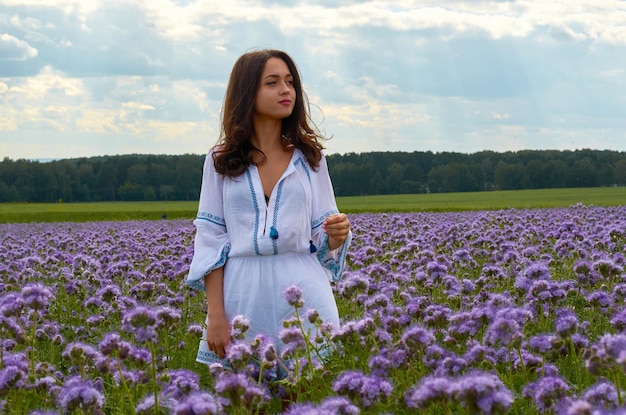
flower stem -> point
(617, 386)
(33, 339)
(125, 387)
(154, 379)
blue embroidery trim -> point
(211, 218)
(304, 166)
(199, 283)
(279, 194)
(208, 358)
(318, 222)
(334, 266)
(256, 212)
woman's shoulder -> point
(299, 154)
(217, 148)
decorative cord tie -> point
(312, 247)
(273, 233)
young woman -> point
(267, 217)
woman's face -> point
(276, 95)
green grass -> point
(82, 212)
(518, 199)
(435, 202)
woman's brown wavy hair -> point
(234, 150)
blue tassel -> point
(312, 247)
(273, 233)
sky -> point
(85, 78)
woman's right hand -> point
(218, 326)
(218, 335)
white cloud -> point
(14, 49)
(45, 85)
(137, 106)
(118, 76)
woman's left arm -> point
(330, 228)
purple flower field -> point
(515, 311)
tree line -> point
(426, 172)
(178, 177)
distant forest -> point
(168, 177)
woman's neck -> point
(267, 138)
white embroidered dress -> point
(266, 248)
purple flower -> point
(483, 392)
(11, 304)
(436, 270)
(180, 383)
(82, 395)
(36, 296)
(599, 299)
(542, 343)
(436, 315)
(547, 392)
(142, 323)
(399, 358)
(109, 293)
(602, 393)
(302, 409)
(335, 405)
(113, 344)
(525, 360)
(140, 357)
(239, 390)
(268, 356)
(364, 389)
(619, 320)
(365, 326)
(195, 330)
(476, 353)
(12, 377)
(238, 354)
(313, 316)
(579, 407)
(379, 365)
(430, 390)
(239, 327)
(82, 354)
(566, 322)
(293, 295)
(167, 317)
(353, 284)
(503, 331)
(607, 269)
(291, 334)
(613, 345)
(199, 403)
(339, 406)
(416, 337)
(13, 328)
(537, 271)
(451, 365)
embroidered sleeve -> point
(211, 243)
(324, 205)
(334, 261)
